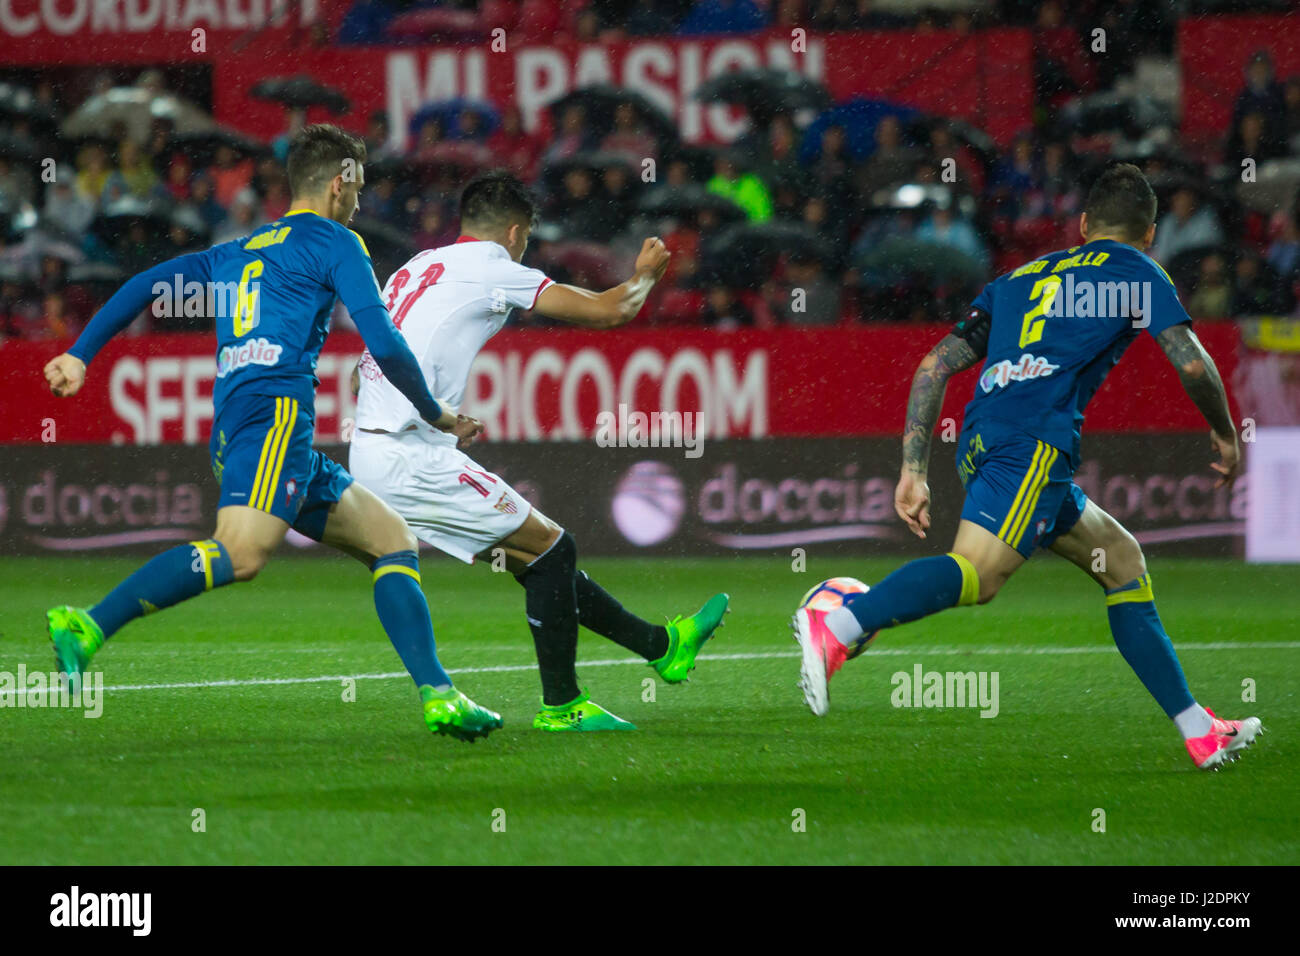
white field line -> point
(917, 651)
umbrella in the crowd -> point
(19, 149)
(765, 91)
(913, 196)
(19, 103)
(11, 270)
(397, 168)
(684, 202)
(436, 23)
(1132, 114)
(742, 255)
(600, 100)
(39, 243)
(135, 109)
(593, 159)
(1207, 193)
(96, 272)
(1150, 151)
(981, 143)
(188, 218)
(1276, 185)
(301, 92)
(201, 146)
(460, 158)
(448, 113)
(699, 160)
(118, 215)
(858, 118)
(25, 257)
(900, 259)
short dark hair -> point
(1121, 199)
(497, 198)
(317, 154)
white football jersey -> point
(447, 303)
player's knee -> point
(1125, 561)
(246, 561)
(394, 535)
(990, 584)
(409, 540)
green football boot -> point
(452, 713)
(686, 635)
(76, 637)
(579, 714)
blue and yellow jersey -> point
(275, 291)
(1056, 326)
(270, 295)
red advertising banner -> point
(983, 77)
(1213, 52)
(550, 384)
(103, 32)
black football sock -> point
(552, 609)
(599, 612)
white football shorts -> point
(449, 500)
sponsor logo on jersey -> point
(258, 351)
(1023, 369)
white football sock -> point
(1195, 721)
(844, 626)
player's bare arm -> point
(1201, 381)
(912, 496)
(613, 307)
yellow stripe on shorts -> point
(1031, 488)
(262, 486)
(290, 416)
(1031, 502)
(1028, 480)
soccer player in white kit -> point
(448, 302)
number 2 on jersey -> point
(427, 278)
(1046, 291)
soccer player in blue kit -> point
(283, 280)
(1044, 359)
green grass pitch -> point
(720, 768)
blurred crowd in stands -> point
(861, 211)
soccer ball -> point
(830, 594)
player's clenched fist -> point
(65, 374)
(653, 258)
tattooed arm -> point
(950, 356)
(955, 353)
(1204, 387)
